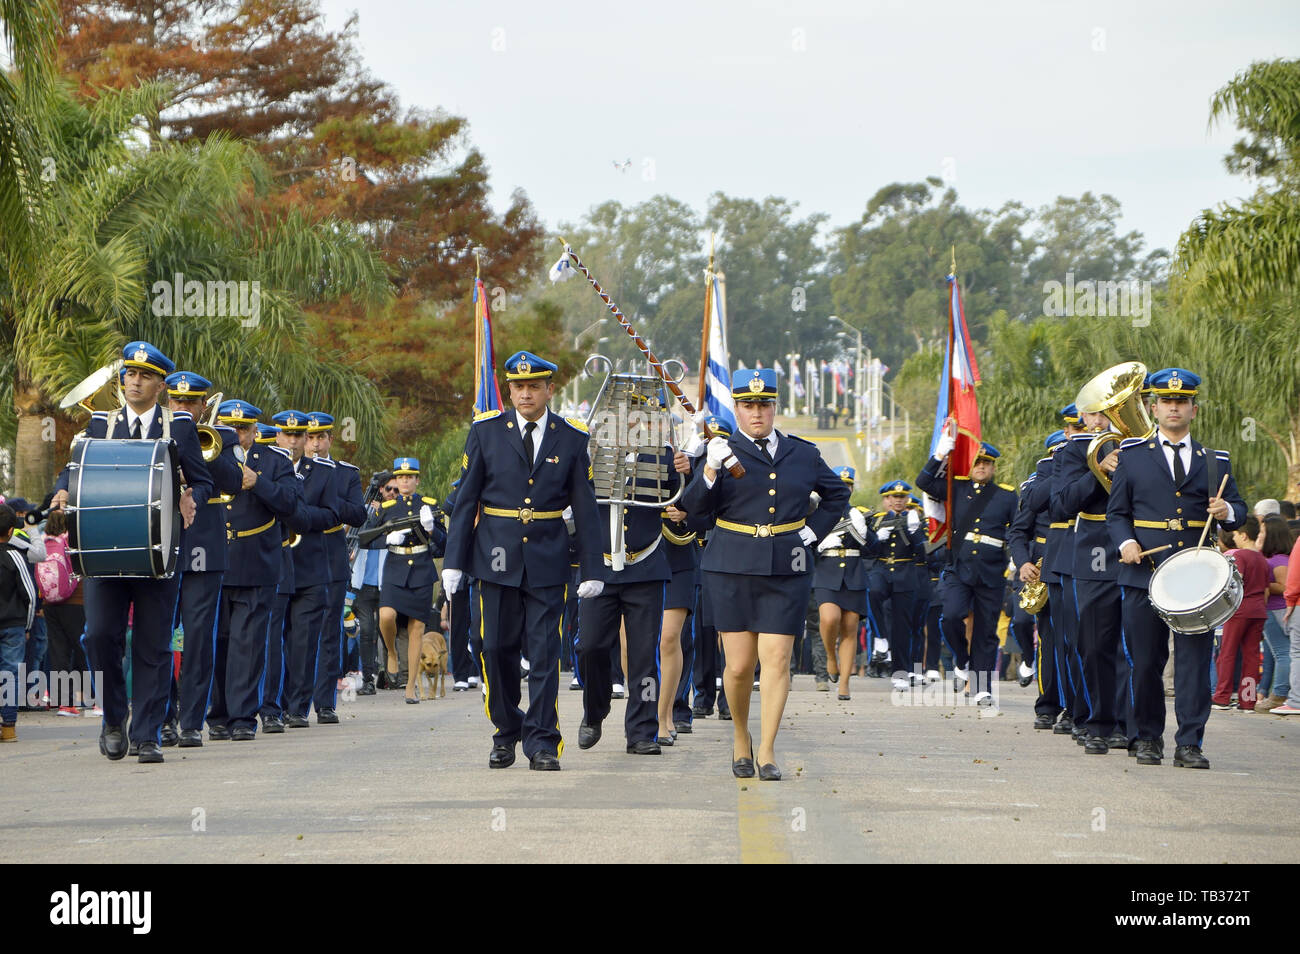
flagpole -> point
(951, 453)
(704, 337)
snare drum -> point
(1196, 590)
(123, 508)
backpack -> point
(54, 576)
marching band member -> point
(900, 540)
(633, 597)
(758, 562)
(109, 600)
(351, 512)
(1079, 499)
(317, 511)
(973, 580)
(272, 708)
(523, 467)
(269, 495)
(202, 566)
(1028, 542)
(1164, 489)
(677, 636)
(409, 572)
(840, 586)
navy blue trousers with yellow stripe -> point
(515, 621)
(640, 606)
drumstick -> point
(1154, 550)
(1208, 519)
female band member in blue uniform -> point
(840, 588)
(758, 563)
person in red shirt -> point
(1244, 631)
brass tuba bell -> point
(1117, 393)
(102, 387)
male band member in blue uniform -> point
(317, 512)
(632, 597)
(269, 495)
(1080, 499)
(202, 564)
(926, 565)
(759, 562)
(523, 467)
(1058, 564)
(1164, 490)
(351, 511)
(973, 580)
(840, 586)
(409, 572)
(109, 600)
(272, 708)
(892, 580)
(1028, 541)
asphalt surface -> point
(865, 781)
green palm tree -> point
(122, 221)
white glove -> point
(858, 521)
(694, 445)
(719, 450)
(589, 588)
(913, 520)
(396, 538)
(567, 514)
(426, 518)
(883, 533)
(945, 443)
(699, 417)
(451, 581)
(807, 535)
(832, 541)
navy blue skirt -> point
(680, 591)
(415, 604)
(742, 602)
(855, 601)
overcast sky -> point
(825, 102)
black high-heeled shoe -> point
(744, 768)
(769, 773)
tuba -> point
(101, 387)
(1117, 393)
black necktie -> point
(1179, 472)
(762, 445)
(528, 440)
(135, 430)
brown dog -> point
(433, 665)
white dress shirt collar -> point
(771, 440)
(146, 420)
(520, 420)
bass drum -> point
(1196, 590)
(123, 508)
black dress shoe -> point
(744, 768)
(367, 688)
(133, 749)
(218, 732)
(243, 734)
(272, 726)
(327, 716)
(503, 756)
(191, 739)
(169, 736)
(724, 715)
(112, 742)
(1095, 745)
(1190, 756)
(645, 747)
(296, 722)
(682, 728)
(769, 773)
(701, 712)
(1117, 740)
(588, 735)
(150, 752)
(544, 762)
(1064, 727)
(1043, 721)
(1147, 752)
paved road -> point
(865, 780)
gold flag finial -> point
(954, 261)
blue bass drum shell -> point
(123, 508)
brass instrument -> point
(210, 442)
(95, 389)
(1033, 596)
(1117, 393)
